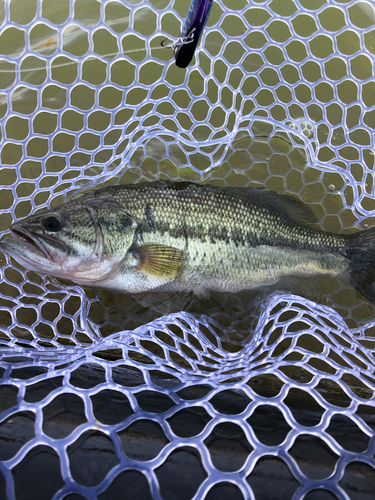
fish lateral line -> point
(143, 237)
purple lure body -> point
(195, 22)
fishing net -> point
(262, 395)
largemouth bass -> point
(176, 236)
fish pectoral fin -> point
(157, 260)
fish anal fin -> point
(157, 260)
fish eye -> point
(52, 223)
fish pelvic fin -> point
(161, 261)
(361, 254)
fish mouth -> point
(27, 236)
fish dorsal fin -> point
(290, 207)
(161, 261)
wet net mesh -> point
(262, 395)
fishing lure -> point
(184, 46)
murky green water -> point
(62, 153)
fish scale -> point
(167, 236)
(221, 212)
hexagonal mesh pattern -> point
(103, 395)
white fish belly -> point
(225, 267)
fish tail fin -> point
(361, 254)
